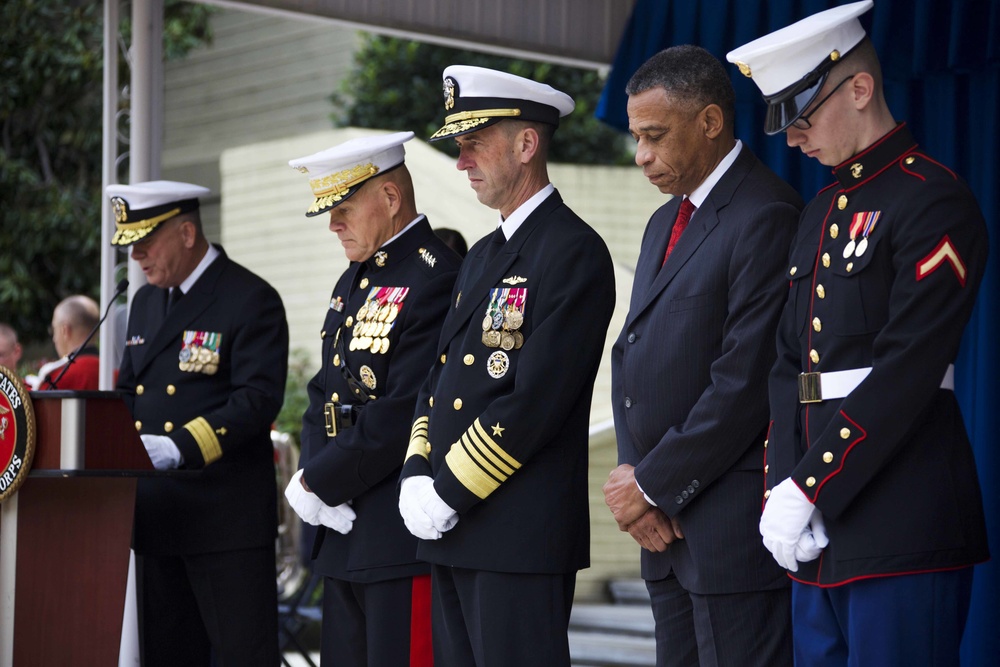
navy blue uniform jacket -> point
(220, 420)
(362, 463)
(504, 433)
(690, 376)
(889, 466)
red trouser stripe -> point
(421, 650)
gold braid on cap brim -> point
(127, 233)
(332, 188)
(463, 121)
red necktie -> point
(683, 217)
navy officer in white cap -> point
(203, 374)
(495, 479)
(378, 340)
(868, 449)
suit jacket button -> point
(628, 402)
(695, 483)
(679, 500)
(690, 489)
(631, 337)
(684, 494)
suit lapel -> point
(194, 303)
(493, 272)
(704, 220)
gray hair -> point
(689, 74)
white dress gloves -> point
(425, 514)
(314, 511)
(162, 452)
(791, 526)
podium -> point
(65, 534)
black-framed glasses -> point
(802, 122)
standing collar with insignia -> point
(399, 248)
(874, 159)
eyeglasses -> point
(802, 122)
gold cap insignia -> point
(744, 70)
(450, 86)
(121, 212)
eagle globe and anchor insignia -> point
(17, 433)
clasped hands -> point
(791, 527)
(314, 511)
(647, 524)
(424, 512)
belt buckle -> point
(810, 389)
(330, 416)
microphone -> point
(121, 287)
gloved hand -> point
(306, 504)
(340, 518)
(785, 518)
(426, 516)
(162, 452)
(813, 540)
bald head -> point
(72, 320)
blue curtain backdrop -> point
(941, 62)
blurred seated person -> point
(10, 349)
(453, 239)
(72, 321)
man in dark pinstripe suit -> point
(690, 371)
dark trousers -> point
(378, 623)
(193, 607)
(738, 629)
(914, 620)
(500, 619)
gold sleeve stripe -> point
(418, 439)
(479, 463)
(468, 473)
(206, 439)
(488, 461)
(494, 447)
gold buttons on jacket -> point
(139, 389)
(469, 360)
(168, 427)
(850, 265)
(458, 404)
(364, 283)
(766, 467)
(834, 229)
(427, 448)
(820, 291)
(765, 444)
(827, 457)
(336, 360)
(138, 425)
(845, 433)
(444, 358)
(841, 203)
(910, 160)
(334, 397)
(322, 334)
(349, 321)
(817, 325)
(171, 390)
(814, 356)
(430, 401)
(810, 482)
(767, 494)
(826, 260)
(792, 271)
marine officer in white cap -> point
(378, 340)
(495, 479)
(868, 447)
(203, 373)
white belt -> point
(817, 387)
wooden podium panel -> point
(65, 535)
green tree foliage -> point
(396, 85)
(51, 69)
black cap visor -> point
(784, 108)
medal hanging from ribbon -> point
(375, 319)
(504, 317)
(863, 224)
